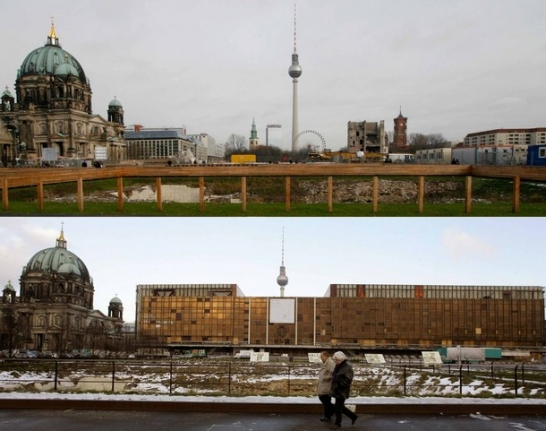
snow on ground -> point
(266, 399)
(155, 386)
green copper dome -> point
(115, 104)
(52, 60)
(57, 260)
(116, 300)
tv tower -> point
(295, 72)
(282, 279)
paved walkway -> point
(88, 420)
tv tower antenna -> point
(282, 279)
(295, 72)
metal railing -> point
(243, 378)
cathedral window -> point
(60, 127)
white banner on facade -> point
(282, 310)
(101, 153)
(49, 154)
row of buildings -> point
(492, 147)
(172, 144)
(51, 117)
(360, 316)
(54, 311)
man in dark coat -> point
(342, 378)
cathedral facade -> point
(51, 115)
(54, 310)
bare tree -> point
(390, 137)
(437, 140)
(419, 141)
(9, 330)
(236, 143)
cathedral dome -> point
(115, 104)
(57, 260)
(69, 268)
(65, 70)
(116, 301)
(52, 60)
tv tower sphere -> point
(282, 279)
(295, 69)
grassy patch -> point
(266, 198)
(110, 209)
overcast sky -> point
(121, 253)
(455, 67)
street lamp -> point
(15, 133)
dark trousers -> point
(341, 409)
(326, 401)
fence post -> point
(171, 378)
(158, 193)
(461, 380)
(229, 379)
(243, 194)
(516, 380)
(468, 194)
(523, 374)
(113, 376)
(287, 197)
(120, 194)
(80, 193)
(421, 194)
(5, 195)
(56, 375)
(201, 194)
(405, 380)
(516, 193)
(330, 194)
(288, 380)
(375, 193)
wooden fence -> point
(27, 177)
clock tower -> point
(400, 139)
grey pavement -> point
(87, 420)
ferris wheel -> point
(323, 142)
